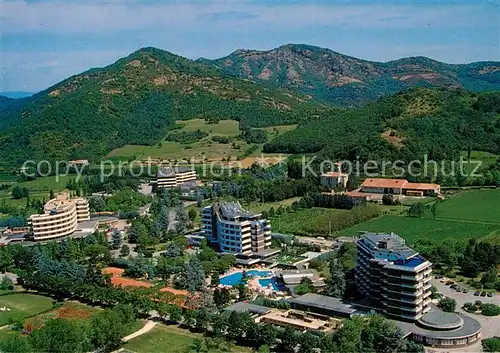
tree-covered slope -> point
(348, 81)
(439, 122)
(136, 101)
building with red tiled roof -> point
(335, 179)
(399, 187)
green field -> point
(22, 305)
(473, 205)
(204, 148)
(170, 339)
(413, 229)
(304, 222)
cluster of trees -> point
(454, 123)
(19, 192)
(473, 258)
(491, 344)
(97, 183)
(103, 332)
(186, 137)
(328, 201)
(252, 136)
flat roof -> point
(323, 302)
(242, 307)
(171, 171)
(334, 174)
(469, 327)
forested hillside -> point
(348, 81)
(406, 125)
(136, 101)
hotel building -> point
(168, 177)
(393, 276)
(233, 230)
(60, 218)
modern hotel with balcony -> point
(231, 229)
(393, 276)
(60, 218)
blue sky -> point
(45, 41)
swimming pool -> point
(235, 278)
(274, 283)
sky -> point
(46, 41)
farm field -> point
(161, 336)
(413, 229)
(22, 305)
(473, 205)
(204, 148)
(312, 221)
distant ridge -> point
(16, 94)
(347, 81)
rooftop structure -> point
(440, 329)
(394, 276)
(234, 230)
(322, 304)
(399, 187)
(173, 177)
(299, 320)
(242, 307)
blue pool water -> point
(265, 282)
(235, 278)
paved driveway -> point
(490, 325)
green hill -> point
(348, 81)
(407, 125)
(136, 101)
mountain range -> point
(137, 99)
(346, 81)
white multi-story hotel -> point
(168, 177)
(393, 276)
(60, 218)
(233, 230)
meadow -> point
(204, 148)
(162, 336)
(311, 221)
(23, 305)
(472, 205)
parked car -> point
(449, 283)
(483, 294)
(439, 276)
(489, 295)
(476, 293)
(465, 290)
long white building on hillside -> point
(169, 177)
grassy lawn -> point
(164, 338)
(472, 205)
(22, 305)
(413, 229)
(259, 207)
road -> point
(490, 325)
(146, 328)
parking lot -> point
(490, 325)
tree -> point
(490, 276)
(193, 275)
(124, 251)
(6, 283)
(337, 282)
(222, 297)
(59, 336)
(489, 309)
(6, 259)
(14, 344)
(491, 344)
(416, 210)
(448, 304)
(116, 239)
(19, 192)
(96, 204)
(434, 209)
(192, 214)
(305, 286)
(106, 330)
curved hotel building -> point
(234, 230)
(60, 218)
